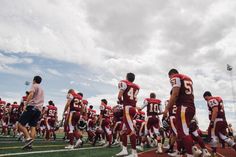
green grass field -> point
(10, 147)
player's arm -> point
(85, 112)
(213, 116)
(102, 109)
(214, 105)
(56, 116)
(120, 96)
(122, 87)
(214, 113)
(67, 105)
(145, 103)
(159, 110)
(173, 98)
(10, 110)
(29, 97)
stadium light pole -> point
(230, 69)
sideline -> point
(49, 151)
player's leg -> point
(123, 137)
(155, 125)
(129, 115)
(221, 127)
(24, 119)
(71, 130)
(183, 118)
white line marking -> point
(48, 151)
(147, 151)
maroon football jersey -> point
(153, 106)
(75, 104)
(216, 102)
(85, 102)
(91, 113)
(172, 110)
(130, 92)
(51, 111)
(117, 113)
(185, 83)
(105, 111)
(91, 124)
(14, 109)
(2, 105)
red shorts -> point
(184, 116)
(220, 126)
(51, 122)
(153, 122)
(75, 117)
(129, 113)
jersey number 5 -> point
(188, 87)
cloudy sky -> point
(90, 45)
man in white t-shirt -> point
(32, 111)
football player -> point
(218, 124)
(14, 116)
(127, 96)
(105, 121)
(51, 120)
(182, 96)
(76, 110)
(153, 123)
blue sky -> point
(91, 45)
(58, 77)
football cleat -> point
(159, 148)
(78, 143)
(140, 148)
(115, 144)
(69, 147)
(196, 152)
(175, 154)
(122, 153)
(28, 142)
(205, 153)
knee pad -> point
(193, 126)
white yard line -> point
(48, 151)
(147, 151)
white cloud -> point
(14, 60)
(64, 90)
(10, 70)
(54, 72)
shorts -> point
(31, 116)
